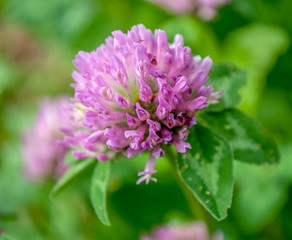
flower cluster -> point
(138, 93)
(43, 157)
(205, 9)
(191, 231)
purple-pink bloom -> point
(205, 9)
(190, 231)
(137, 93)
(43, 156)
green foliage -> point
(256, 54)
(278, 117)
(226, 78)
(71, 174)
(247, 138)
(253, 35)
(67, 18)
(70, 159)
(264, 192)
(207, 170)
(8, 75)
(4, 238)
(98, 190)
(207, 167)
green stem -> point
(195, 206)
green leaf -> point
(71, 174)
(255, 48)
(98, 190)
(71, 20)
(226, 78)
(246, 136)
(207, 170)
(270, 183)
(4, 238)
(251, 211)
(8, 75)
(69, 159)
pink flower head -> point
(138, 93)
(205, 9)
(43, 157)
(191, 231)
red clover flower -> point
(205, 9)
(43, 157)
(137, 93)
(191, 231)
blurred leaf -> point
(8, 75)
(207, 170)
(262, 193)
(246, 136)
(255, 48)
(61, 19)
(226, 78)
(98, 190)
(71, 174)
(275, 112)
(245, 8)
(64, 215)
(266, 10)
(4, 238)
(144, 205)
(69, 158)
(188, 27)
(14, 195)
(18, 192)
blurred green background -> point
(38, 41)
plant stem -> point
(195, 206)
